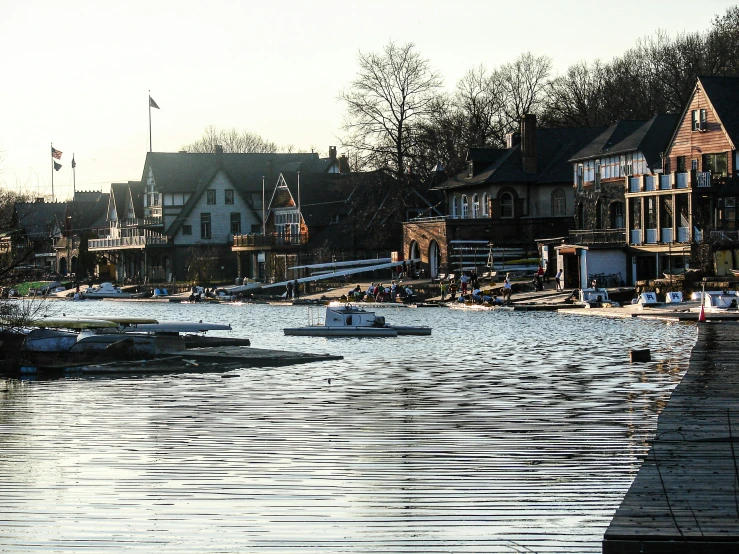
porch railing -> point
(651, 236)
(634, 184)
(126, 242)
(635, 236)
(665, 182)
(683, 234)
(270, 239)
(650, 183)
(682, 180)
(666, 234)
(599, 236)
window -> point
(559, 206)
(506, 205)
(579, 178)
(694, 165)
(235, 223)
(287, 223)
(211, 197)
(681, 167)
(204, 226)
(597, 177)
(699, 119)
(475, 206)
(485, 204)
(187, 230)
(229, 196)
(454, 206)
(464, 206)
(617, 215)
(717, 164)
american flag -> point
(56, 153)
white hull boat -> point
(107, 290)
(350, 321)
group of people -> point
(377, 292)
(292, 290)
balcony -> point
(634, 184)
(651, 236)
(665, 182)
(683, 234)
(269, 240)
(636, 236)
(703, 179)
(650, 183)
(126, 242)
(667, 234)
(600, 236)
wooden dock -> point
(685, 498)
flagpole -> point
(74, 177)
(150, 121)
(264, 211)
(52, 173)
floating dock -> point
(685, 498)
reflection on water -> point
(502, 432)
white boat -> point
(716, 301)
(107, 290)
(350, 321)
(594, 298)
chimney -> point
(332, 152)
(512, 139)
(344, 164)
(528, 143)
(40, 200)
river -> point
(502, 432)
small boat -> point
(107, 290)
(350, 321)
(716, 301)
(595, 298)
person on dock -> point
(296, 289)
(443, 291)
(452, 288)
(507, 289)
(558, 280)
(289, 291)
(463, 280)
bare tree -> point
(391, 96)
(524, 83)
(232, 141)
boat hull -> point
(341, 331)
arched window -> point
(485, 212)
(617, 215)
(559, 204)
(506, 205)
(464, 206)
(454, 206)
(475, 206)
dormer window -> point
(470, 169)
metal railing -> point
(270, 239)
(599, 236)
(138, 241)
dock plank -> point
(685, 497)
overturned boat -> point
(350, 321)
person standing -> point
(443, 291)
(507, 289)
(558, 280)
(289, 291)
(296, 289)
(463, 280)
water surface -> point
(502, 432)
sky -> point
(78, 74)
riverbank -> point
(684, 498)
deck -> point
(685, 497)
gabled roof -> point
(648, 137)
(85, 213)
(723, 93)
(182, 171)
(554, 148)
(38, 219)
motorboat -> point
(107, 290)
(351, 321)
(716, 301)
(595, 298)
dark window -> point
(204, 226)
(597, 176)
(236, 223)
(681, 167)
(256, 228)
(211, 196)
(559, 203)
(696, 120)
(717, 164)
(229, 196)
(187, 229)
(506, 205)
